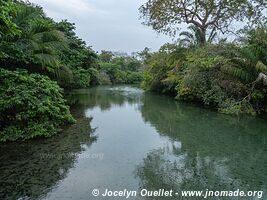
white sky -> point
(106, 24)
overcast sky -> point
(106, 24)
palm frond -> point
(237, 72)
(187, 35)
(26, 14)
(261, 67)
(48, 61)
(191, 37)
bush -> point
(117, 74)
(31, 105)
(103, 79)
(134, 77)
(234, 107)
(200, 78)
(81, 78)
(156, 72)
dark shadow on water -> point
(30, 169)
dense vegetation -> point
(119, 69)
(228, 76)
(31, 105)
(38, 57)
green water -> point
(127, 139)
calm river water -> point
(125, 138)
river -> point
(126, 138)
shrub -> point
(156, 72)
(81, 78)
(199, 79)
(103, 79)
(31, 105)
(234, 107)
(134, 77)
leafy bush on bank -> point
(31, 105)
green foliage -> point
(104, 79)
(134, 77)
(38, 46)
(199, 81)
(106, 56)
(30, 106)
(193, 38)
(229, 77)
(111, 70)
(158, 65)
(260, 67)
(156, 71)
(81, 78)
(217, 81)
(7, 13)
(231, 106)
(45, 43)
(162, 67)
(120, 70)
(48, 48)
(53, 49)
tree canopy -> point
(207, 15)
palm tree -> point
(39, 37)
(249, 63)
(45, 43)
(192, 38)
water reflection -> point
(147, 141)
(207, 150)
(30, 169)
(104, 97)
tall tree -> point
(207, 15)
(38, 46)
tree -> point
(106, 56)
(45, 43)
(38, 46)
(192, 38)
(206, 15)
(77, 54)
(144, 54)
